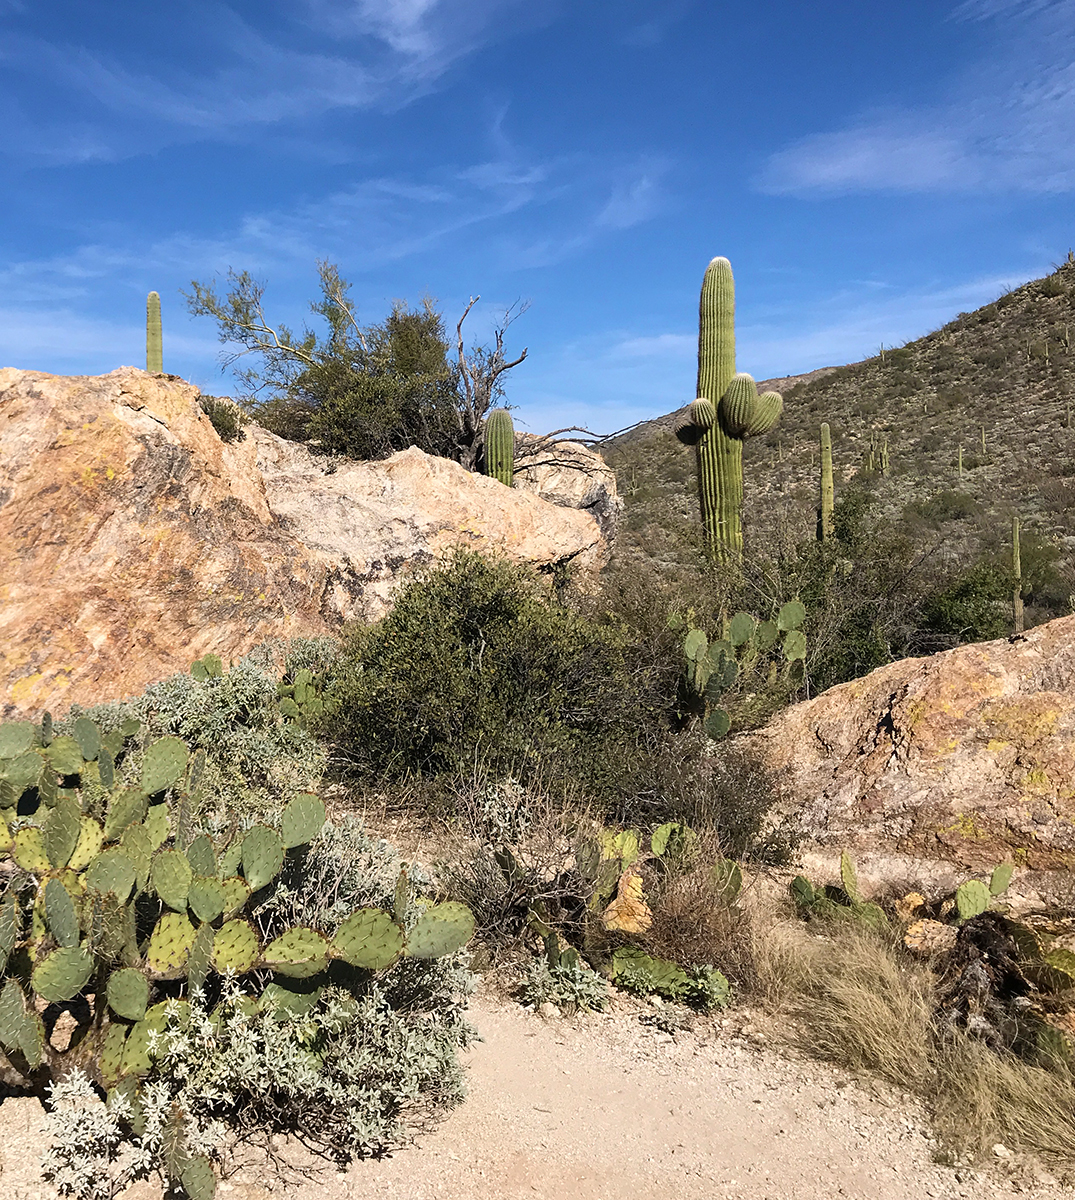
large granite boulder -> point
(931, 768)
(133, 540)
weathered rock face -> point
(931, 768)
(132, 540)
(571, 475)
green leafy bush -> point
(226, 416)
(479, 663)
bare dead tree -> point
(480, 385)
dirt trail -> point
(604, 1107)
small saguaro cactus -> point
(727, 411)
(1017, 575)
(500, 446)
(154, 338)
(824, 524)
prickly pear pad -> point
(128, 993)
(206, 898)
(442, 929)
(302, 820)
(263, 856)
(368, 938)
(90, 840)
(170, 945)
(61, 915)
(300, 952)
(62, 974)
(112, 871)
(236, 947)
(171, 875)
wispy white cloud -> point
(373, 53)
(372, 224)
(1006, 124)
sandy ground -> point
(603, 1107)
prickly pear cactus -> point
(104, 899)
(713, 668)
(301, 700)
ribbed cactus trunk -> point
(154, 337)
(500, 446)
(720, 457)
(1017, 574)
(824, 525)
(727, 411)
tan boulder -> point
(930, 769)
(569, 474)
(133, 540)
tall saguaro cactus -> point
(824, 525)
(500, 446)
(154, 338)
(727, 411)
(1017, 574)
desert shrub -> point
(226, 416)
(572, 986)
(479, 662)
(974, 606)
(729, 800)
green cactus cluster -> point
(844, 902)
(605, 858)
(113, 912)
(301, 700)
(499, 446)
(727, 410)
(712, 668)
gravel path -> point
(603, 1107)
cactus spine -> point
(1017, 573)
(825, 522)
(154, 338)
(500, 446)
(727, 411)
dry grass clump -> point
(693, 923)
(862, 1003)
(981, 1097)
(867, 1008)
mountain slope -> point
(1005, 372)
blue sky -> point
(870, 170)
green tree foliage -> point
(359, 391)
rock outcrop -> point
(133, 540)
(571, 475)
(931, 768)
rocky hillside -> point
(997, 382)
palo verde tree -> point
(359, 391)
